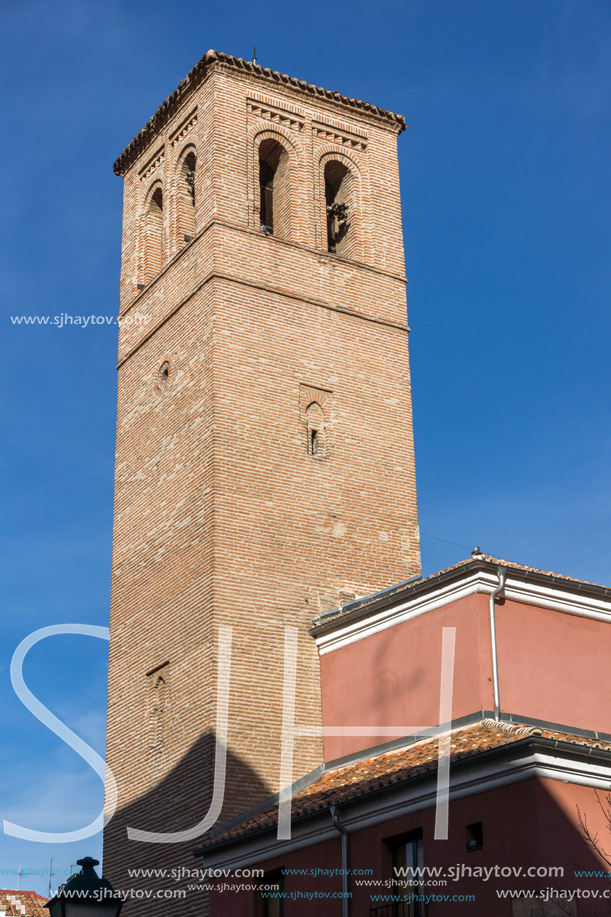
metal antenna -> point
(23, 872)
(254, 54)
(52, 872)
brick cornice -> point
(227, 224)
(213, 59)
(216, 275)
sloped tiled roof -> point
(16, 903)
(197, 73)
(401, 590)
(351, 781)
(513, 566)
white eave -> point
(518, 588)
(578, 765)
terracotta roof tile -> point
(513, 566)
(351, 781)
(392, 593)
(16, 903)
(197, 73)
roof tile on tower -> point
(196, 75)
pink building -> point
(517, 659)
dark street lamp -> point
(85, 895)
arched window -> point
(163, 376)
(339, 199)
(153, 236)
(186, 198)
(316, 430)
(158, 710)
(274, 193)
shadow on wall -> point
(178, 802)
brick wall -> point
(223, 516)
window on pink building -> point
(268, 902)
(408, 862)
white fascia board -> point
(493, 773)
(554, 597)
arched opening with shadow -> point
(339, 200)
(185, 197)
(274, 188)
(315, 419)
(153, 235)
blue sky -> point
(506, 201)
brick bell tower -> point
(264, 467)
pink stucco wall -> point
(553, 666)
(528, 824)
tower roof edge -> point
(198, 72)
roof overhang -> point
(524, 759)
(380, 611)
(216, 58)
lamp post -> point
(85, 895)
